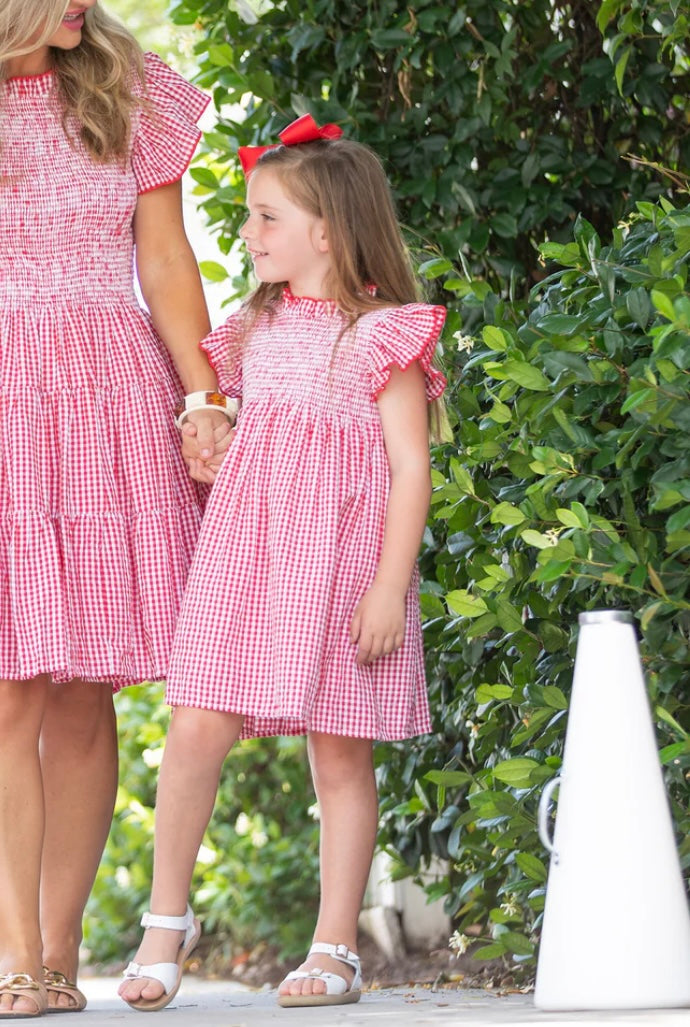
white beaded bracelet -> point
(206, 401)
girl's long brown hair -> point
(96, 81)
(344, 183)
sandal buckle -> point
(23, 981)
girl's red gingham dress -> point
(98, 516)
(294, 526)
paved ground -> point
(225, 1004)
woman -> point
(98, 515)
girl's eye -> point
(267, 217)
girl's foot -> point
(330, 975)
(152, 979)
(157, 946)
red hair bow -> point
(304, 130)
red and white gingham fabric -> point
(167, 135)
(98, 516)
(294, 527)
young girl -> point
(301, 613)
(98, 515)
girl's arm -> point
(378, 624)
(171, 286)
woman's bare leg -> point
(343, 772)
(22, 705)
(79, 763)
(198, 742)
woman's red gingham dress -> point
(294, 526)
(98, 516)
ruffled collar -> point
(307, 304)
(313, 305)
(29, 85)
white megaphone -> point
(616, 927)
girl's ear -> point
(322, 237)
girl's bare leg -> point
(198, 742)
(79, 764)
(343, 772)
(22, 705)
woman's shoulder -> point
(167, 134)
(156, 70)
(165, 86)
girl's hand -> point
(378, 623)
(206, 436)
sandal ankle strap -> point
(170, 923)
(340, 952)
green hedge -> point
(569, 489)
(497, 120)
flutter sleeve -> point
(223, 347)
(167, 134)
(401, 335)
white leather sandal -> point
(337, 992)
(167, 974)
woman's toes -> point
(18, 1004)
(58, 1000)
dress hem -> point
(282, 726)
(63, 677)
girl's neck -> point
(315, 296)
(34, 63)
(311, 286)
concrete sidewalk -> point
(203, 1003)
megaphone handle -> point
(543, 815)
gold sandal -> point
(23, 986)
(57, 982)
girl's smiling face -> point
(285, 242)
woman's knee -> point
(81, 708)
(22, 708)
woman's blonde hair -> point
(344, 183)
(95, 81)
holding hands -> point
(207, 422)
(206, 437)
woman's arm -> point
(378, 625)
(171, 286)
